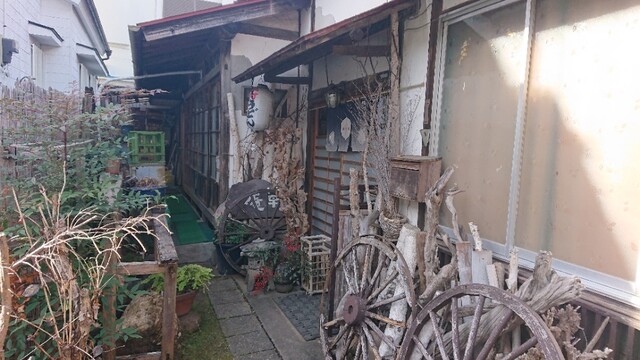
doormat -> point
(303, 312)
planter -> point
(113, 166)
(391, 226)
(283, 288)
(184, 303)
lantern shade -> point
(260, 108)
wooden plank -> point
(169, 324)
(223, 143)
(263, 31)
(139, 268)
(189, 24)
(362, 50)
(166, 248)
(148, 356)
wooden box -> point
(412, 176)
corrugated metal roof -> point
(319, 43)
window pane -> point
(483, 71)
(581, 174)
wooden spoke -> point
(387, 301)
(481, 332)
(384, 338)
(372, 344)
(455, 331)
(521, 349)
(387, 320)
(468, 351)
(368, 267)
(438, 333)
(384, 285)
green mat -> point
(184, 222)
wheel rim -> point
(254, 215)
(372, 270)
(438, 333)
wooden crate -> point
(412, 176)
(315, 251)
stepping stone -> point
(239, 325)
(249, 343)
(230, 310)
(263, 355)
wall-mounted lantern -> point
(332, 96)
(259, 108)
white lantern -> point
(259, 108)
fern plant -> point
(190, 277)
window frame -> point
(600, 282)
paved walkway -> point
(254, 326)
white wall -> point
(61, 64)
(329, 12)
(116, 16)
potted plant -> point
(189, 280)
(284, 276)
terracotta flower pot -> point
(184, 302)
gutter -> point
(96, 20)
(98, 55)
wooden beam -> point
(212, 19)
(139, 268)
(287, 79)
(362, 50)
(264, 31)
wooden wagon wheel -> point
(251, 216)
(375, 276)
(441, 329)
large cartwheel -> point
(375, 276)
(251, 213)
(482, 314)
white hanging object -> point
(260, 108)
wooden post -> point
(334, 246)
(109, 313)
(394, 93)
(5, 292)
(169, 311)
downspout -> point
(96, 20)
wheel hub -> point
(354, 309)
(267, 233)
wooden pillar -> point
(4, 291)
(394, 95)
(169, 324)
(109, 312)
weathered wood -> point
(5, 310)
(292, 80)
(407, 247)
(148, 356)
(139, 268)
(263, 31)
(463, 252)
(236, 177)
(421, 240)
(412, 176)
(362, 50)
(395, 65)
(166, 248)
(169, 325)
(209, 20)
(479, 262)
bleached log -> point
(235, 134)
(399, 309)
(492, 276)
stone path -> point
(254, 326)
(245, 335)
